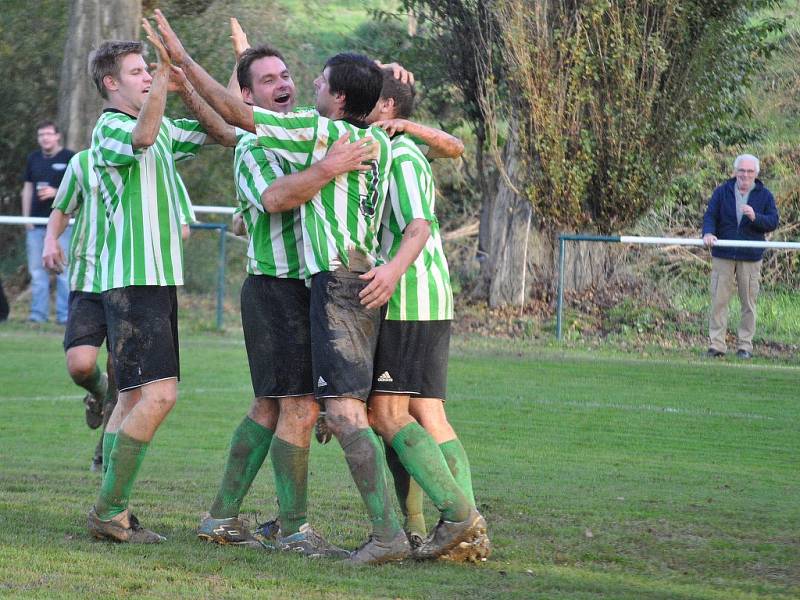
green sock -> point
(123, 465)
(94, 384)
(249, 447)
(364, 454)
(290, 464)
(422, 458)
(457, 460)
(409, 494)
(108, 445)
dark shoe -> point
(375, 552)
(744, 354)
(714, 353)
(97, 465)
(94, 406)
(321, 430)
(268, 531)
(309, 543)
(231, 531)
(415, 540)
(122, 528)
(448, 534)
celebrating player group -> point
(346, 308)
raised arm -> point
(148, 123)
(240, 44)
(232, 109)
(440, 144)
(218, 130)
(290, 191)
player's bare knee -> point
(80, 367)
(264, 411)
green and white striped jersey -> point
(276, 240)
(340, 223)
(142, 196)
(423, 292)
(78, 196)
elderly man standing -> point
(743, 209)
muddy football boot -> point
(321, 430)
(415, 540)
(231, 531)
(94, 405)
(449, 534)
(309, 543)
(475, 550)
(97, 464)
(375, 552)
(124, 527)
(268, 532)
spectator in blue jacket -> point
(743, 209)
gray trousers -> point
(747, 277)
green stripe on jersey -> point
(276, 241)
(78, 196)
(344, 216)
(143, 198)
(423, 292)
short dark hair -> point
(248, 57)
(359, 79)
(402, 94)
(47, 123)
(107, 59)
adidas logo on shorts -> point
(385, 377)
(321, 382)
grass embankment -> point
(600, 477)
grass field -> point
(600, 476)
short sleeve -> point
(187, 136)
(68, 197)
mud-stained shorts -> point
(86, 320)
(143, 334)
(277, 335)
(412, 358)
(344, 335)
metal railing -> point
(632, 239)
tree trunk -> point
(511, 214)
(90, 23)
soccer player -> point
(410, 376)
(134, 147)
(340, 242)
(86, 323)
(275, 319)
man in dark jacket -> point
(742, 208)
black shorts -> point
(143, 334)
(277, 335)
(86, 320)
(344, 335)
(412, 358)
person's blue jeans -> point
(40, 278)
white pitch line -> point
(668, 410)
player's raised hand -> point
(399, 72)
(53, 256)
(345, 156)
(382, 281)
(164, 60)
(238, 38)
(392, 126)
(171, 41)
